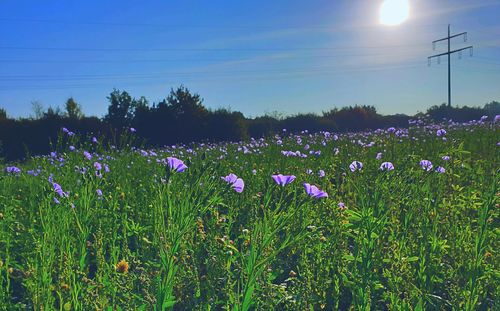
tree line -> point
(182, 118)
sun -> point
(394, 12)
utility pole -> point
(429, 59)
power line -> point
(94, 49)
(188, 26)
(464, 34)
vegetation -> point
(397, 219)
(184, 114)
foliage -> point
(115, 227)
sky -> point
(257, 57)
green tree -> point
(120, 109)
(73, 109)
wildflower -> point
(13, 170)
(72, 148)
(254, 172)
(99, 192)
(58, 190)
(446, 158)
(386, 166)
(321, 173)
(441, 132)
(97, 166)
(122, 266)
(236, 183)
(341, 206)
(87, 155)
(283, 180)
(176, 164)
(426, 165)
(133, 130)
(391, 130)
(314, 192)
(355, 165)
(68, 132)
(94, 140)
(497, 118)
(440, 169)
(309, 171)
(379, 156)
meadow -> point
(391, 219)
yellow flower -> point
(122, 266)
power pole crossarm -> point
(457, 35)
(448, 39)
(451, 52)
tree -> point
(37, 108)
(120, 109)
(73, 109)
(3, 114)
(183, 104)
(492, 108)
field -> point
(412, 225)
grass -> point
(407, 239)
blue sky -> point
(255, 56)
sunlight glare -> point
(394, 12)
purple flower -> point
(94, 140)
(283, 180)
(254, 172)
(97, 166)
(133, 130)
(391, 130)
(236, 183)
(446, 158)
(309, 171)
(341, 205)
(176, 164)
(99, 192)
(426, 165)
(386, 166)
(314, 192)
(321, 173)
(87, 155)
(13, 170)
(497, 118)
(68, 132)
(355, 165)
(440, 169)
(72, 148)
(379, 156)
(441, 132)
(58, 190)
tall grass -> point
(143, 236)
